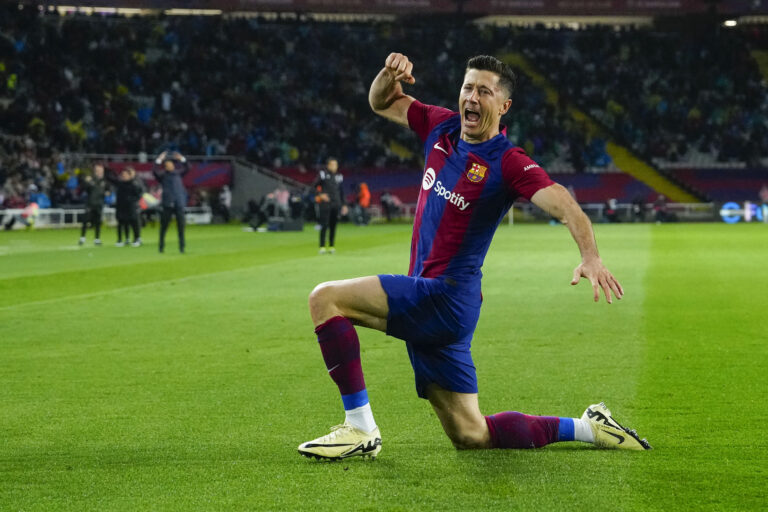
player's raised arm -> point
(386, 95)
(556, 201)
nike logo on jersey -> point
(451, 197)
(439, 147)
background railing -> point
(70, 217)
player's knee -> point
(318, 296)
(320, 302)
(466, 440)
(465, 437)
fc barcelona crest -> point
(476, 173)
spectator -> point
(95, 187)
(391, 204)
(329, 196)
(660, 209)
(362, 203)
(611, 212)
(174, 197)
(638, 209)
(225, 202)
(129, 192)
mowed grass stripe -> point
(706, 369)
(204, 399)
(35, 253)
(105, 268)
(543, 347)
(532, 315)
(194, 394)
(185, 396)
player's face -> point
(98, 171)
(169, 165)
(482, 102)
(333, 165)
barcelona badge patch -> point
(476, 173)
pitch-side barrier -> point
(70, 217)
(684, 212)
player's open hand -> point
(399, 65)
(600, 278)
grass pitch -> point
(138, 381)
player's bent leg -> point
(335, 306)
(362, 300)
(467, 428)
(460, 416)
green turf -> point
(133, 380)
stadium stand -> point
(723, 185)
(672, 96)
(260, 88)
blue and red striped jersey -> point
(465, 192)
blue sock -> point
(566, 430)
(355, 400)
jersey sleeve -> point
(523, 176)
(423, 118)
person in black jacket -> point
(95, 187)
(329, 196)
(174, 197)
(126, 209)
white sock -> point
(582, 431)
(361, 418)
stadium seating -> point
(260, 89)
(722, 185)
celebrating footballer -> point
(472, 175)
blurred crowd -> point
(271, 91)
(695, 96)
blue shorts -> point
(436, 317)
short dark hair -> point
(507, 79)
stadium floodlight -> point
(730, 23)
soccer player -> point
(174, 197)
(95, 187)
(329, 197)
(127, 206)
(472, 174)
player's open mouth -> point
(471, 117)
